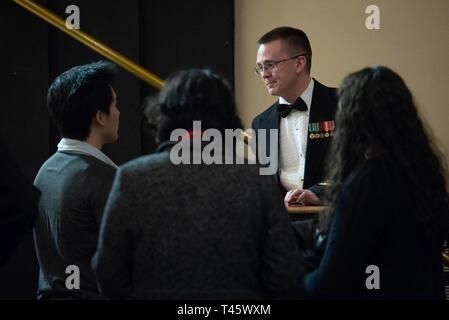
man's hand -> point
(302, 197)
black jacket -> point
(324, 105)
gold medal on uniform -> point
(311, 135)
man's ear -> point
(301, 63)
(100, 118)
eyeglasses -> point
(271, 66)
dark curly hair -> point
(377, 117)
(196, 95)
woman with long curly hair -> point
(388, 212)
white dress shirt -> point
(293, 143)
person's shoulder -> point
(145, 163)
(322, 89)
(377, 173)
(326, 99)
(93, 164)
(55, 162)
(56, 158)
(267, 113)
(69, 160)
(321, 86)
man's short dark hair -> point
(296, 40)
(76, 95)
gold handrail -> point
(93, 43)
(445, 256)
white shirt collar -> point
(306, 96)
(81, 147)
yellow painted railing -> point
(93, 43)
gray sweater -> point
(195, 232)
(74, 190)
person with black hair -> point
(199, 231)
(76, 180)
(388, 204)
(303, 115)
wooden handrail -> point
(93, 43)
(305, 209)
(445, 257)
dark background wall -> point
(163, 36)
